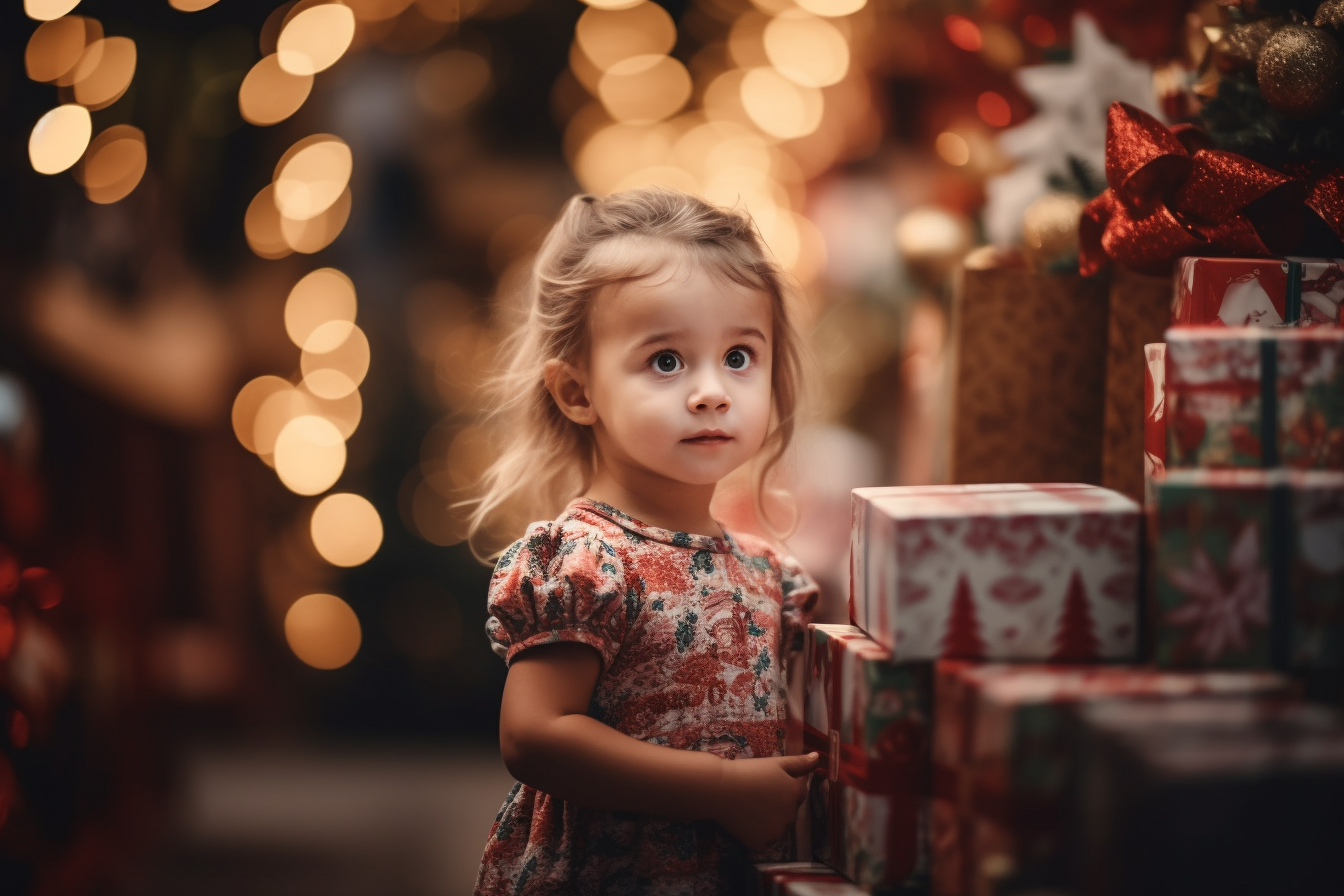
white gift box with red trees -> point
(996, 571)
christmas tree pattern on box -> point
(1005, 571)
(1245, 397)
(1004, 761)
(869, 719)
(1249, 569)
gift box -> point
(1233, 797)
(1154, 416)
(1140, 310)
(1029, 375)
(1249, 569)
(840, 887)
(1254, 397)
(996, 571)
(773, 878)
(1004, 756)
(868, 718)
(1240, 292)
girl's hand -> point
(760, 797)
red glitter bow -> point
(1171, 194)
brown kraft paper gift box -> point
(1029, 376)
(1140, 309)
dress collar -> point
(711, 543)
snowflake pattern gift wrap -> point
(999, 571)
(1240, 292)
(1004, 761)
(868, 717)
(1255, 397)
(1249, 569)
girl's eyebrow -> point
(676, 334)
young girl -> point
(645, 644)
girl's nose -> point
(708, 394)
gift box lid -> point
(994, 499)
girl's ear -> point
(569, 389)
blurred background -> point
(257, 258)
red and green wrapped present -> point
(839, 887)
(1249, 569)
(1255, 397)
(1237, 797)
(1154, 416)
(1263, 292)
(1004, 756)
(996, 571)
(868, 717)
(774, 878)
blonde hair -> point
(547, 459)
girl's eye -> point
(666, 362)
(737, 359)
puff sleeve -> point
(559, 582)
(799, 592)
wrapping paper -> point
(774, 878)
(1004, 761)
(1140, 309)
(1249, 570)
(1237, 292)
(1237, 797)
(1154, 417)
(996, 571)
(868, 717)
(1029, 375)
(1251, 397)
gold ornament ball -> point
(1240, 46)
(1301, 71)
(1050, 229)
(1330, 13)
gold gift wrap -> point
(1029, 376)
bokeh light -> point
(322, 631)
(54, 48)
(349, 356)
(645, 89)
(309, 455)
(248, 402)
(277, 411)
(994, 109)
(612, 4)
(806, 49)
(953, 148)
(104, 72)
(113, 164)
(261, 226)
(269, 94)
(191, 5)
(780, 107)
(346, 529)
(59, 138)
(963, 33)
(315, 38)
(832, 8)
(315, 234)
(343, 412)
(1001, 48)
(311, 176)
(323, 295)
(608, 36)
(46, 10)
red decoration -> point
(1075, 639)
(963, 628)
(1170, 195)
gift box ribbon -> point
(1171, 194)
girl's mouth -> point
(717, 438)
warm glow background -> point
(259, 258)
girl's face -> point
(679, 374)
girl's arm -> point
(549, 742)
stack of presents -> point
(1051, 689)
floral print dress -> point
(691, 630)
